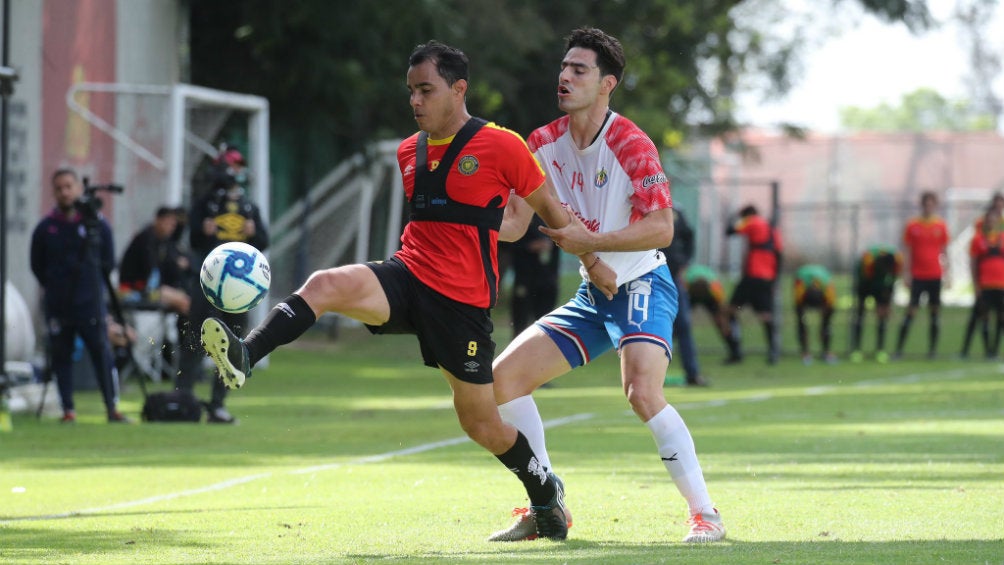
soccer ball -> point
(235, 277)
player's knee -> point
(484, 433)
(643, 398)
(330, 287)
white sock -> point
(676, 447)
(522, 413)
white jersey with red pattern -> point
(615, 181)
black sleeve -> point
(685, 235)
(134, 266)
(38, 255)
(198, 241)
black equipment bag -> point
(172, 406)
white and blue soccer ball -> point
(235, 277)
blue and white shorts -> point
(589, 325)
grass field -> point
(348, 451)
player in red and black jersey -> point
(756, 287)
(458, 173)
(925, 238)
(986, 252)
(993, 220)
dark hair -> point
(609, 53)
(928, 195)
(165, 211)
(451, 63)
(749, 210)
(63, 171)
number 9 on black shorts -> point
(451, 334)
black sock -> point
(932, 335)
(287, 321)
(970, 329)
(904, 329)
(768, 332)
(521, 461)
(880, 336)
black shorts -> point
(813, 298)
(758, 293)
(930, 287)
(881, 292)
(451, 334)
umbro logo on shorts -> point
(472, 366)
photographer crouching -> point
(72, 254)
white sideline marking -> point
(241, 480)
(757, 397)
(142, 501)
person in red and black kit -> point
(72, 269)
(986, 252)
(223, 214)
(756, 286)
(458, 174)
(925, 237)
(995, 214)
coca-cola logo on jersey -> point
(659, 178)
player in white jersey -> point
(607, 172)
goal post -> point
(163, 136)
(185, 97)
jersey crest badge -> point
(468, 165)
(601, 178)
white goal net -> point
(165, 137)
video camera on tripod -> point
(89, 204)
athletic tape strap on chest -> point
(430, 200)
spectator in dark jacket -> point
(678, 255)
(72, 254)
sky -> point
(871, 63)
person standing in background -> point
(223, 214)
(925, 238)
(678, 256)
(995, 215)
(986, 252)
(72, 255)
(761, 268)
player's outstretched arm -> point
(653, 231)
(545, 203)
(515, 219)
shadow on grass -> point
(732, 551)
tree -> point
(921, 110)
(985, 61)
(333, 70)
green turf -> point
(335, 461)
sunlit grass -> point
(349, 452)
